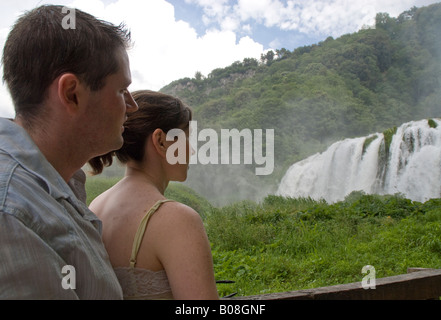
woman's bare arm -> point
(183, 249)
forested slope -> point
(357, 84)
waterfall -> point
(406, 160)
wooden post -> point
(422, 285)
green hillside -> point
(284, 244)
(360, 83)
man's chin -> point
(117, 145)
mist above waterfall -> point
(406, 161)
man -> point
(69, 89)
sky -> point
(174, 39)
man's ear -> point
(159, 142)
(69, 87)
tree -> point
(267, 58)
(199, 76)
(383, 20)
(282, 53)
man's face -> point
(108, 107)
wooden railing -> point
(417, 284)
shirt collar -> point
(16, 142)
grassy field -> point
(284, 244)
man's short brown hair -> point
(39, 49)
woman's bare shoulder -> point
(175, 214)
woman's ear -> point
(159, 142)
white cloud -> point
(312, 17)
(6, 109)
(317, 17)
(268, 12)
(213, 8)
(167, 50)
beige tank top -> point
(139, 283)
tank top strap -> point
(141, 230)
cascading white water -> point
(410, 165)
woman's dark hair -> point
(156, 111)
(39, 49)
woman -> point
(158, 248)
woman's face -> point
(180, 154)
